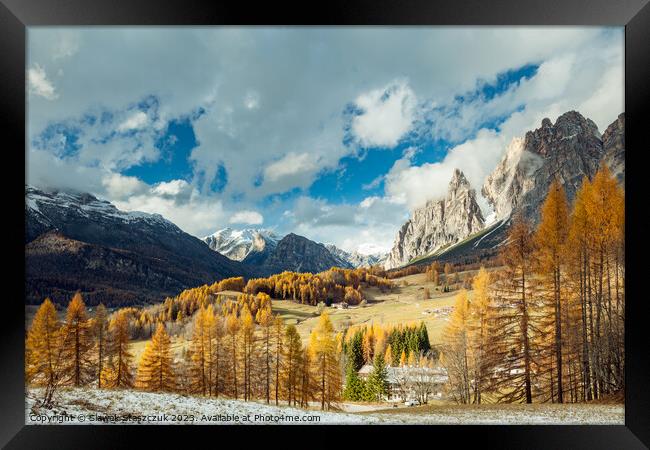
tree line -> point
(232, 353)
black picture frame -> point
(16, 15)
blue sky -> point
(333, 133)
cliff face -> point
(614, 147)
(438, 223)
(567, 150)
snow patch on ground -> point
(89, 406)
(93, 406)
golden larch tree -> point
(322, 344)
(78, 342)
(118, 372)
(156, 367)
(100, 330)
(550, 240)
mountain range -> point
(258, 248)
(75, 241)
(453, 228)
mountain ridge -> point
(173, 259)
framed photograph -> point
(375, 215)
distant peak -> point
(458, 179)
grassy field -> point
(405, 304)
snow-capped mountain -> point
(356, 259)
(77, 241)
(240, 244)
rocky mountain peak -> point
(458, 181)
(438, 223)
(240, 244)
(297, 253)
(568, 150)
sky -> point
(333, 133)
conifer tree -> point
(480, 330)
(579, 257)
(219, 334)
(514, 315)
(354, 385)
(78, 343)
(322, 345)
(156, 367)
(456, 353)
(550, 237)
(100, 328)
(42, 344)
(377, 384)
(200, 359)
(232, 329)
(306, 379)
(45, 351)
(118, 372)
(388, 356)
(248, 344)
(278, 326)
(265, 319)
(292, 363)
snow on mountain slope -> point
(238, 244)
(356, 259)
(75, 241)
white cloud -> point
(183, 205)
(136, 121)
(367, 227)
(290, 165)
(121, 187)
(39, 84)
(247, 217)
(373, 184)
(387, 114)
(416, 184)
(290, 127)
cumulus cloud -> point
(290, 165)
(247, 217)
(111, 139)
(277, 130)
(180, 204)
(386, 115)
(135, 121)
(120, 187)
(414, 184)
(367, 227)
(39, 84)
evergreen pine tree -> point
(377, 384)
